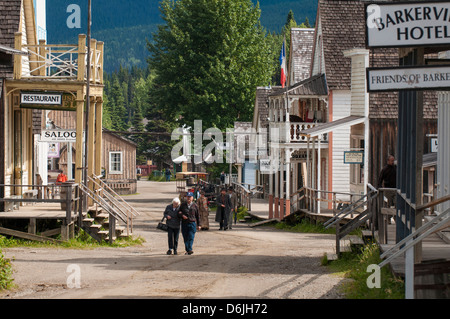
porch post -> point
(319, 164)
(270, 172)
(91, 146)
(282, 162)
(79, 141)
(288, 182)
(98, 136)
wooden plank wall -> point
(383, 141)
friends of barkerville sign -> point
(407, 24)
(408, 78)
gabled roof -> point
(300, 55)
(261, 112)
(9, 25)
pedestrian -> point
(388, 179)
(222, 178)
(203, 211)
(223, 209)
(173, 225)
(168, 174)
(233, 207)
(189, 220)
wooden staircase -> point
(111, 217)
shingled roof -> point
(302, 42)
(9, 25)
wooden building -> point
(44, 77)
(119, 163)
(325, 115)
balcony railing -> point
(291, 132)
(59, 61)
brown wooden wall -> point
(383, 141)
(113, 143)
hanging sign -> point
(407, 24)
(40, 98)
(354, 157)
(59, 136)
(408, 78)
(48, 101)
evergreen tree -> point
(208, 58)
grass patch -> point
(354, 266)
(6, 281)
(305, 226)
(81, 241)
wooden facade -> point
(124, 179)
(42, 68)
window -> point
(357, 170)
(115, 163)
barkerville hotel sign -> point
(407, 24)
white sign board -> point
(40, 98)
(407, 24)
(354, 157)
(408, 78)
(59, 136)
(434, 145)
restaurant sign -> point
(408, 78)
(48, 101)
(407, 24)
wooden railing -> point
(291, 132)
(244, 196)
(59, 61)
(313, 199)
(68, 202)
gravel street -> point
(239, 263)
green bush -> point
(6, 271)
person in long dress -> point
(202, 203)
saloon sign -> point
(59, 136)
(407, 24)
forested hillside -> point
(125, 26)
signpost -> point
(418, 27)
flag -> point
(283, 64)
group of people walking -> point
(190, 216)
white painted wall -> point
(341, 143)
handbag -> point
(161, 225)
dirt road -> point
(239, 263)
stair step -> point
(89, 221)
(355, 240)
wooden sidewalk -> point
(433, 249)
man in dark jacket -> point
(388, 179)
(189, 220)
(223, 209)
(173, 224)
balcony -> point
(59, 61)
(291, 132)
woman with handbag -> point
(173, 225)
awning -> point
(315, 86)
(331, 126)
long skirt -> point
(204, 219)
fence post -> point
(112, 228)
